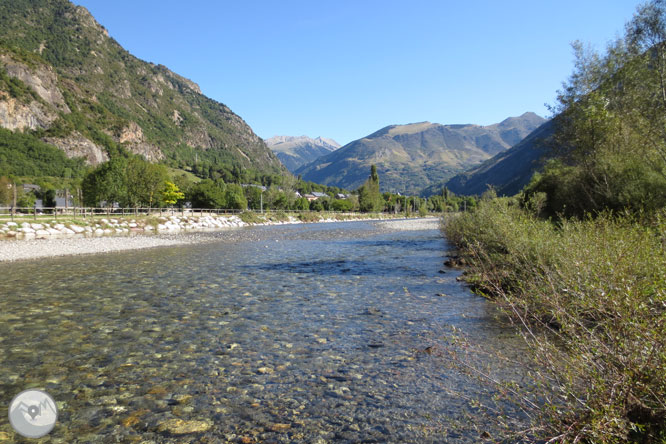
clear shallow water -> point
(302, 333)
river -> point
(337, 332)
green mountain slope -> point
(294, 152)
(509, 171)
(66, 82)
(412, 157)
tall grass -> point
(590, 298)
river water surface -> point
(322, 333)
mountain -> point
(412, 157)
(66, 82)
(509, 171)
(296, 151)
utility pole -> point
(262, 202)
(14, 205)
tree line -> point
(610, 133)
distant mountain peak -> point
(294, 152)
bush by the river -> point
(590, 297)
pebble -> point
(182, 427)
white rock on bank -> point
(77, 228)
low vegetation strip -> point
(590, 297)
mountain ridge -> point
(507, 172)
(414, 156)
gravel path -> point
(15, 250)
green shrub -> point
(591, 297)
(278, 216)
(309, 217)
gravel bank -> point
(38, 248)
(15, 250)
(431, 223)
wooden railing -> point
(53, 213)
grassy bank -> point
(590, 297)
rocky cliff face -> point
(132, 137)
(75, 145)
(29, 112)
(15, 115)
(40, 78)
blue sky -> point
(344, 69)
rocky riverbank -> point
(28, 240)
(111, 226)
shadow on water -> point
(370, 267)
(429, 244)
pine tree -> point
(369, 198)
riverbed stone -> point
(183, 427)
